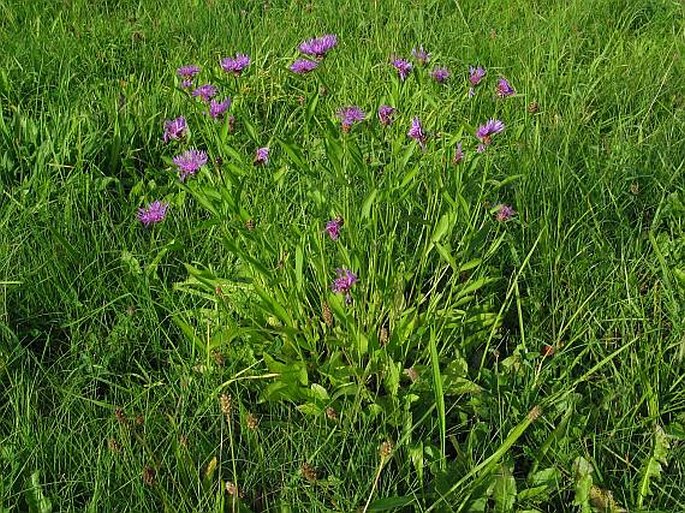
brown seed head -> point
(250, 225)
(218, 358)
(232, 489)
(251, 422)
(386, 449)
(113, 446)
(535, 413)
(327, 315)
(331, 413)
(149, 475)
(383, 336)
(121, 416)
(309, 472)
(412, 374)
(533, 107)
(226, 405)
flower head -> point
(385, 114)
(343, 283)
(458, 154)
(504, 213)
(348, 116)
(189, 162)
(333, 228)
(187, 73)
(175, 129)
(403, 68)
(416, 132)
(504, 89)
(218, 109)
(486, 131)
(154, 213)
(421, 55)
(440, 75)
(302, 66)
(205, 92)
(476, 75)
(261, 156)
(319, 46)
(235, 65)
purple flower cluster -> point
(348, 116)
(486, 131)
(403, 68)
(205, 92)
(218, 109)
(319, 46)
(476, 75)
(261, 156)
(189, 162)
(154, 213)
(175, 129)
(333, 227)
(504, 89)
(186, 74)
(235, 65)
(440, 75)
(458, 154)
(416, 132)
(343, 283)
(504, 213)
(421, 55)
(303, 66)
(385, 114)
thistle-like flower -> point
(421, 55)
(189, 162)
(175, 129)
(403, 68)
(218, 109)
(440, 75)
(486, 131)
(504, 213)
(348, 116)
(261, 156)
(385, 114)
(333, 227)
(416, 132)
(504, 89)
(205, 92)
(154, 213)
(476, 75)
(343, 283)
(186, 74)
(303, 66)
(235, 65)
(319, 46)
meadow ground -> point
(466, 357)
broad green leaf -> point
(652, 467)
(504, 490)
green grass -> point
(109, 332)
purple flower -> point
(333, 228)
(416, 132)
(175, 129)
(421, 55)
(385, 114)
(486, 131)
(302, 66)
(218, 109)
(261, 156)
(403, 68)
(319, 46)
(504, 89)
(476, 75)
(189, 162)
(235, 65)
(348, 116)
(480, 148)
(187, 73)
(154, 213)
(504, 213)
(458, 154)
(440, 75)
(206, 92)
(343, 283)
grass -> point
(532, 365)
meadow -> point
(353, 256)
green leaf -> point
(504, 491)
(652, 467)
(36, 500)
(582, 470)
(368, 203)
